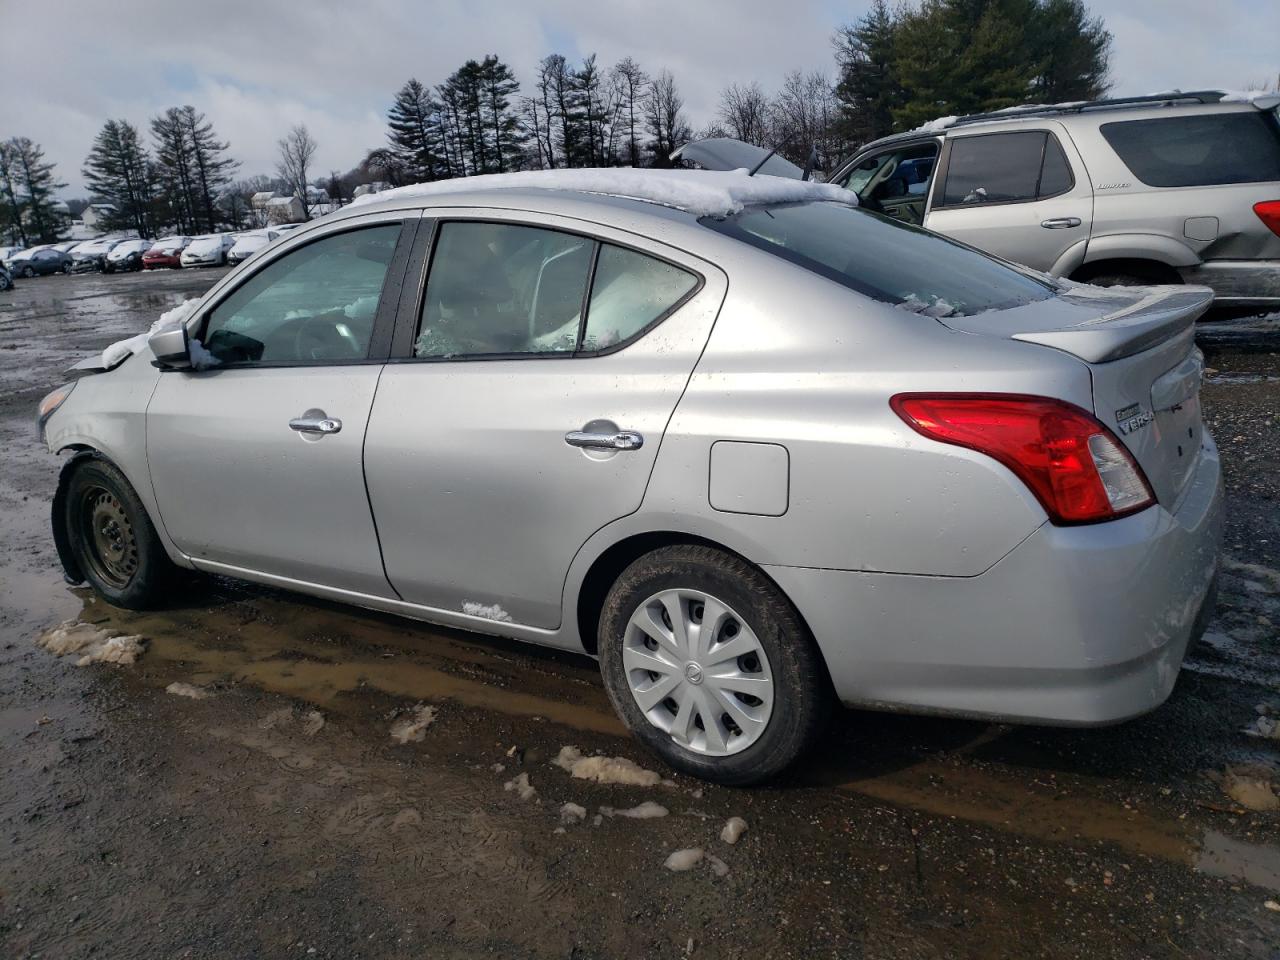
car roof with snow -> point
(694, 193)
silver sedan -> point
(757, 450)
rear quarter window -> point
(884, 259)
(1199, 150)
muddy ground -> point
(279, 817)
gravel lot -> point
(281, 815)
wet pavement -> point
(277, 813)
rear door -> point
(525, 403)
(256, 461)
(1023, 195)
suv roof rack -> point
(1170, 96)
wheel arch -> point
(1152, 271)
(608, 565)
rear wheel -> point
(27, 272)
(113, 540)
(709, 665)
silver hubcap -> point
(698, 672)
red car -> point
(165, 253)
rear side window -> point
(499, 289)
(884, 259)
(1199, 150)
(1004, 168)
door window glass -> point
(1055, 175)
(315, 304)
(629, 292)
(1199, 149)
(503, 289)
(994, 168)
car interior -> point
(896, 182)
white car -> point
(208, 251)
(247, 244)
(92, 254)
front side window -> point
(315, 304)
(1005, 167)
(884, 259)
(1199, 149)
(501, 289)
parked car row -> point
(124, 254)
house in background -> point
(283, 210)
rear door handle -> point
(621, 440)
(315, 421)
(1060, 223)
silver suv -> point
(1167, 189)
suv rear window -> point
(1199, 150)
(884, 259)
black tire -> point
(1120, 280)
(28, 272)
(113, 540)
(66, 268)
(802, 696)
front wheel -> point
(66, 268)
(28, 272)
(112, 539)
(709, 665)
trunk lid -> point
(1139, 344)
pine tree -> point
(593, 113)
(14, 204)
(498, 85)
(173, 158)
(211, 168)
(414, 133)
(28, 185)
(1073, 53)
(868, 89)
(119, 172)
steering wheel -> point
(323, 336)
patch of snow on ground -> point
(313, 723)
(1251, 792)
(572, 813)
(644, 811)
(492, 611)
(413, 728)
(522, 788)
(179, 689)
(93, 645)
(683, 860)
(734, 828)
(699, 192)
(718, 866)
(605, 769)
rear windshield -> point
(884, 259)
(1199, 150)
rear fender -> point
(1141, 246)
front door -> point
(1022, 195)
(517, 425)
(256, 461)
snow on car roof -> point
(700, 192)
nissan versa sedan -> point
(757, 450)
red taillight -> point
(1268, 212)
(1073, 464)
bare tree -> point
(631, 86)
(297, 150)
(664, 117)
(804, 118)
(746, 114)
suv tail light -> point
(1075, 466)
(1268, 212)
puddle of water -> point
(1223, 856)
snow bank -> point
(605, 769)
(179, 689)
(93, 645)
(169, 320)
(413, 728)
(700, 192)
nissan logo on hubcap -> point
(693, 672)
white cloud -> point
(256, 69)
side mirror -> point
(172, 349)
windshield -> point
(883, 259)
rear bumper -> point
(1077, 625)
(1238, 282)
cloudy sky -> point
(256, 68)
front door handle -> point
(315, 421)
(1060, 223)
(619, 440)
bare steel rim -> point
(698, 672)
(110, 544)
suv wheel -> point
(112, 538)
(709, 665)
